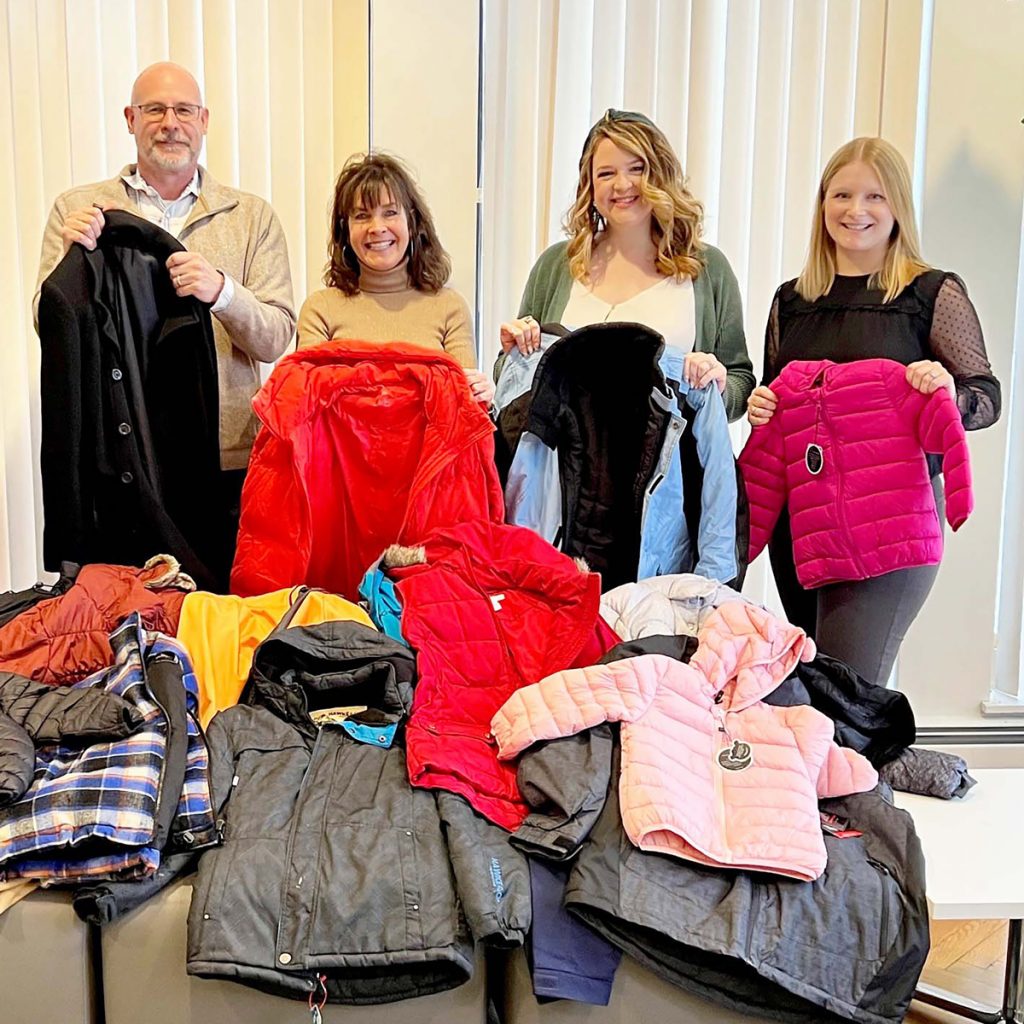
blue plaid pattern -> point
(90, 813)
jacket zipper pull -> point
(719, 696)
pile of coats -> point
(380, 799)
(414, 727)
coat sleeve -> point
(260, 319)
(61, 714)
(716, 541)
(17, 760)
(763, 469)
(940, 431)
(533, 492)
(51, 253)
(844, 771)
(492, 877)
(220, 745)
(65, 431)
(835, 770)
(565, 782)
(568, 702)
(730, 344)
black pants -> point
(231, 481)
(862, 622)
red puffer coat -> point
(845, 451)
(488, 609)
(66, 638)
(362, 446)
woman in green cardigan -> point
(634, 254)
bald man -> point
(237, 259)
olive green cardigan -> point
(718, 314)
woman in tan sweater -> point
(387, 271)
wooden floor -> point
(967, 958)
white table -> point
(971, 848)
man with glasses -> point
(236, 258)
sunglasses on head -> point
(613, 116)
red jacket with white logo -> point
(488, 609)
(362, 445)
(845, 451)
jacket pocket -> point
(368, 899)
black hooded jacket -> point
(333, 866)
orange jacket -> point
(64, 639)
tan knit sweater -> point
(387, 308)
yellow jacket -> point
(221, 632)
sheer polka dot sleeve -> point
(957, 342)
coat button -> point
(408, 833)
(285, 958)
(116, 374)
(415, 906)
(124, 429)
(127, 476)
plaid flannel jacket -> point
(93, 812)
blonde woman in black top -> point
(865, 292)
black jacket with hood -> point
(333, 867)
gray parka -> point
(334, 870)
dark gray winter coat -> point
(332, 864)
(849, 945)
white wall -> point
(424, 60)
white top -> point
(667, 307)
(972, 847)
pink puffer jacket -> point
(709, 772)
(846, 450)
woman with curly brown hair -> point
(634, 254)
(387, 271)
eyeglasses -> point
(184, 112)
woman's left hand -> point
(701, 368)
(928, 376)
(481, 385)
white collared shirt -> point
(171, 214)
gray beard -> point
(166, 162)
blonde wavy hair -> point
(677, 217)
(903, 260)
